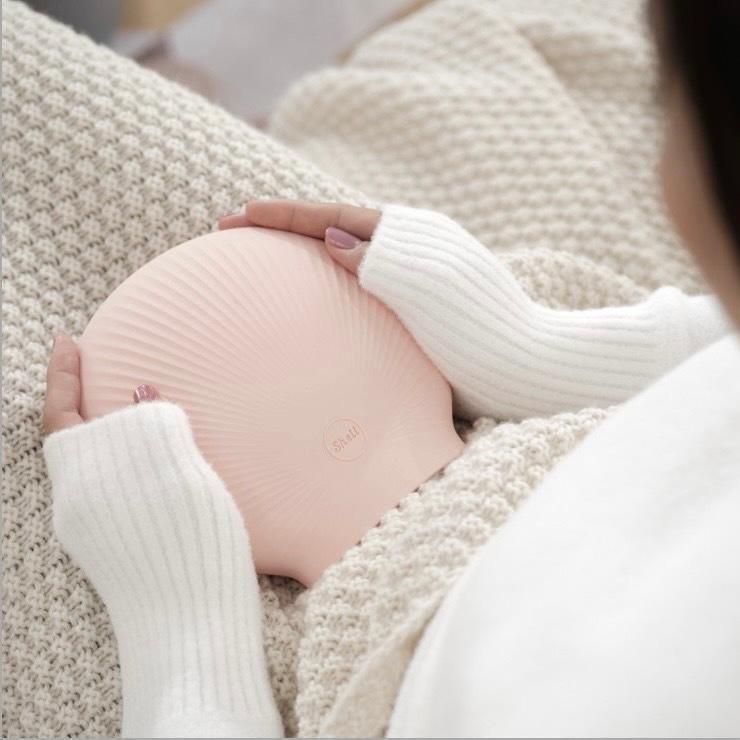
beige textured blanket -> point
(532, 123)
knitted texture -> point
(531, 123)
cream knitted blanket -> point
(530, 122)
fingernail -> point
(341, 239)
(54, 341)
(145, 393)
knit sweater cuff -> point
(161, 540)
(504, 354)
(102, 455)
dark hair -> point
(700, 41)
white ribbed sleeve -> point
(153, 527)
(504, 354)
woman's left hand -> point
(64, 390)
(346, 230)
(62, 407)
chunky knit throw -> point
(532, 123)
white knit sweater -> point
(163, 543)
(507, 356)
(160, 539)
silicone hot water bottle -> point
(306, 394)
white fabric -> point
(609, 604)
(507, 356)
(164, 545)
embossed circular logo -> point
(344, 439)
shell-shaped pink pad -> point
(305, 393)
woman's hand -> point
(63, 388)
(346, 230)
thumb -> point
(345, 248)
(62, 406)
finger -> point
(345, 248)
(233, 220)
(62, 406)
(312, 219)
(145, 393)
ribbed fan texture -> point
(302, 389)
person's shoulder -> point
(713, 372)
(705, 386)
(725, 352)
(687, 419)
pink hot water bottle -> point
(306, 394)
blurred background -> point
(241, 54)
